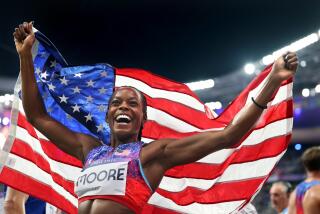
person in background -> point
(279, 196)
(306, 197)
(17, 202)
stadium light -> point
(214, 105)
(305, 92)
(249, 68)
(303, 63)
(317, 88)
(304, 42)
(295, 46)
(5, 121)
(298, 146)
(199, 85)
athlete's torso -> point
(114, 174)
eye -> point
(133, 103)
(115, 102)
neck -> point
(313, 175)
(118, 140)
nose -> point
(123, 105)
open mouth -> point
(123, 119)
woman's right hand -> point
(24, 38)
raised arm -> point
(193, 148)
(75, 144)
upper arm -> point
(173, 152)
(311, 201)
(73, 143)
(292, 203)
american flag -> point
(222, 182)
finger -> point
(15, 37)
(291, 55)
(294, 59)
(288, 55)
(23, 33)
(293, 66)
(30, 25)
(18, 33)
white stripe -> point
(284, 93)
(159, 93)
(196, 208)
(67, 171)
(234, 172)
(30, 169)
(277, 128)
(169, 121)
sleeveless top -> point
(114, 174)
(301, 189)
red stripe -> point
(185, 113)
(274, 113)
(154, 130)
(49, 148)
(35, 188)
(218, 193)
(24, 151)
(267, 149)
(155, 81)
(236, 105)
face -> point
(125, 114)
(279, 197)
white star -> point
(64, 81)
(102, 90)
(38, 71)
(89, 99)
(100, 127)
(90, 83)
(51, 87)
(76, 89)
(101, 107)
(44, 75)
(104, 74)
(63, 99)
(88, 117)
(49, 110)
(53, 63)
(76, 108)
(78, 75)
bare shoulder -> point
(313, 193)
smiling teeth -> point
(123, 116)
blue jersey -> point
(301, 190)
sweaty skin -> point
(158, 156)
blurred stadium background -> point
(218, 92)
